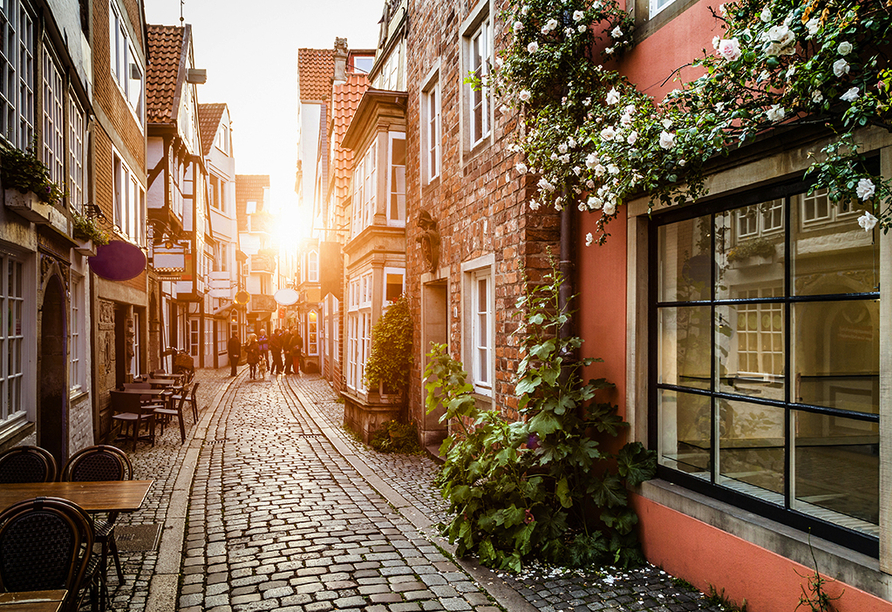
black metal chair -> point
(190, 396)
(46, 543)
(131, 412)
(173, 408)
(101, 462)
(27, 464)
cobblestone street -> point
(271, 505)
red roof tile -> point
(315, 70)
(209, 120)
(344, 102)
(163, 72)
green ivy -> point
(395, 437)
(22, 170)
(390, 360)
(544, 486)
(86, 228)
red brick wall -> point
(479, 200)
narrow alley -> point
(271, 505)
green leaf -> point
(562, 491)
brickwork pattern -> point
(478, 201)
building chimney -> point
(340, 61)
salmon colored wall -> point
(706, 556)
(601, 286)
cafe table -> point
(161, 383)
(92, 496)
(33, 601)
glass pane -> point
(831, 253)
(836, 354)
(836, 470)
(685, 426)
(685, 346)
(684, 260)
(750, 350)
(751, 449)
(750, 250)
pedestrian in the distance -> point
(253, 350)
(264, 348)
(275, 345)
(234, 348)
(286, 352)
(297, 346)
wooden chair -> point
(101, 462)
(27, 464)
(46, 543)
(190, 395)
(131, 412)
(174, 408)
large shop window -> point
(12, 336)
(765, 359)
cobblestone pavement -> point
(279, 519)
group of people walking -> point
(286, 347)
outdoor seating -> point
(101, 463)
(174, 408)
(131, 412)
(190, 396)
(27, 464)
(46, 543)
(138, 385)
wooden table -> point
(151, 392)
(161, 382)
(100, 496)
(33, 601)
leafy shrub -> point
(394, 437)
(87, 229)
(23, 170)
(391, 357)
(543, 486)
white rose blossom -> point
(568, 32)
(667, 140)
(633, 138)
(867, 221)
(518, 26)
(667, 123)
(533, 47)
(608, 133)
(562, 148)
(578, 15)
(775, 113)
(817, 97)
(609, 208)
(524, 96)
(613, 169)
(766, 15)
(594, 202)
(865, 189)
(591, 160)
(571, 142)
(524, 10)
(729, 49)
(616, 32)
(544, 184)
(608, 50)
(612, 97)
(521, 168)
(589, 239)
(534, 205)
(565, 159)
(600, 170)
(844, 48)
(841, 68)
(715, 42)
(581, 28)
(851, 95)
(812, 26)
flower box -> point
(28, 206)
(85, 247)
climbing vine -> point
(595, 141)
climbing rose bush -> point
(595, 140)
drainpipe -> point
(566, 266)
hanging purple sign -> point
(118, 261)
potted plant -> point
(29, 188)
(88, 234)
(390, 360)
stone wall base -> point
(363, 417)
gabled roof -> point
(165, 72)
(315, 70)
(209, 116)
(345, 100)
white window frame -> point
(221, 140)
(53, 117)
(431, 129)
(313, 267)
(76, 154)
(17, 74)
(365, 189)
(479, 325)
(76, 336)
(136, 362)
(655, 6)
(477, 49)
(401, 272)
(194, 337)
(126, 72)
(313, 333)
(394, 189)
(129, 202)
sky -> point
(249, 49)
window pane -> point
(685, 346)
(684, 260)
(685, 436)
(825, 448)
(837, 354)
(397, 179)
(750, 349)
(751, 449)
(750, 249)
(834, 256)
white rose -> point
(600, 170)
(518, 26)
(626, 120)
(534, 205)
(729, 49)
(552, 24)
(775, 113)
(562, 148)
(715, 42)
(591, 160)
(544, 184)
(613, 169)
(589, 239)
(865, 189)
(571, 142)
(568, 32)
(594, 203)
(667, 123)
(608, 133)
(616, 32)
(565, 159)
(851, 95)
(844, 48)
(577, 170)
(525, 10)
(867, 221)
(766, 15)
(581, 28)
(667, 140)
(524, 96)
(633, 138)
(812, 26)
(612, 97)
(841, 68)
(578, 15)
(609, 208)
(817, 97)
(608, 50)
(533, 47)
(521, 168)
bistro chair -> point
(101, 462)
(27, 464)
(190, 396)
(174, 408)
(46, 544)
(131, 412)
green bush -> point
(390, 360)
(394, 437)
(540, 487)
(23, 170)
